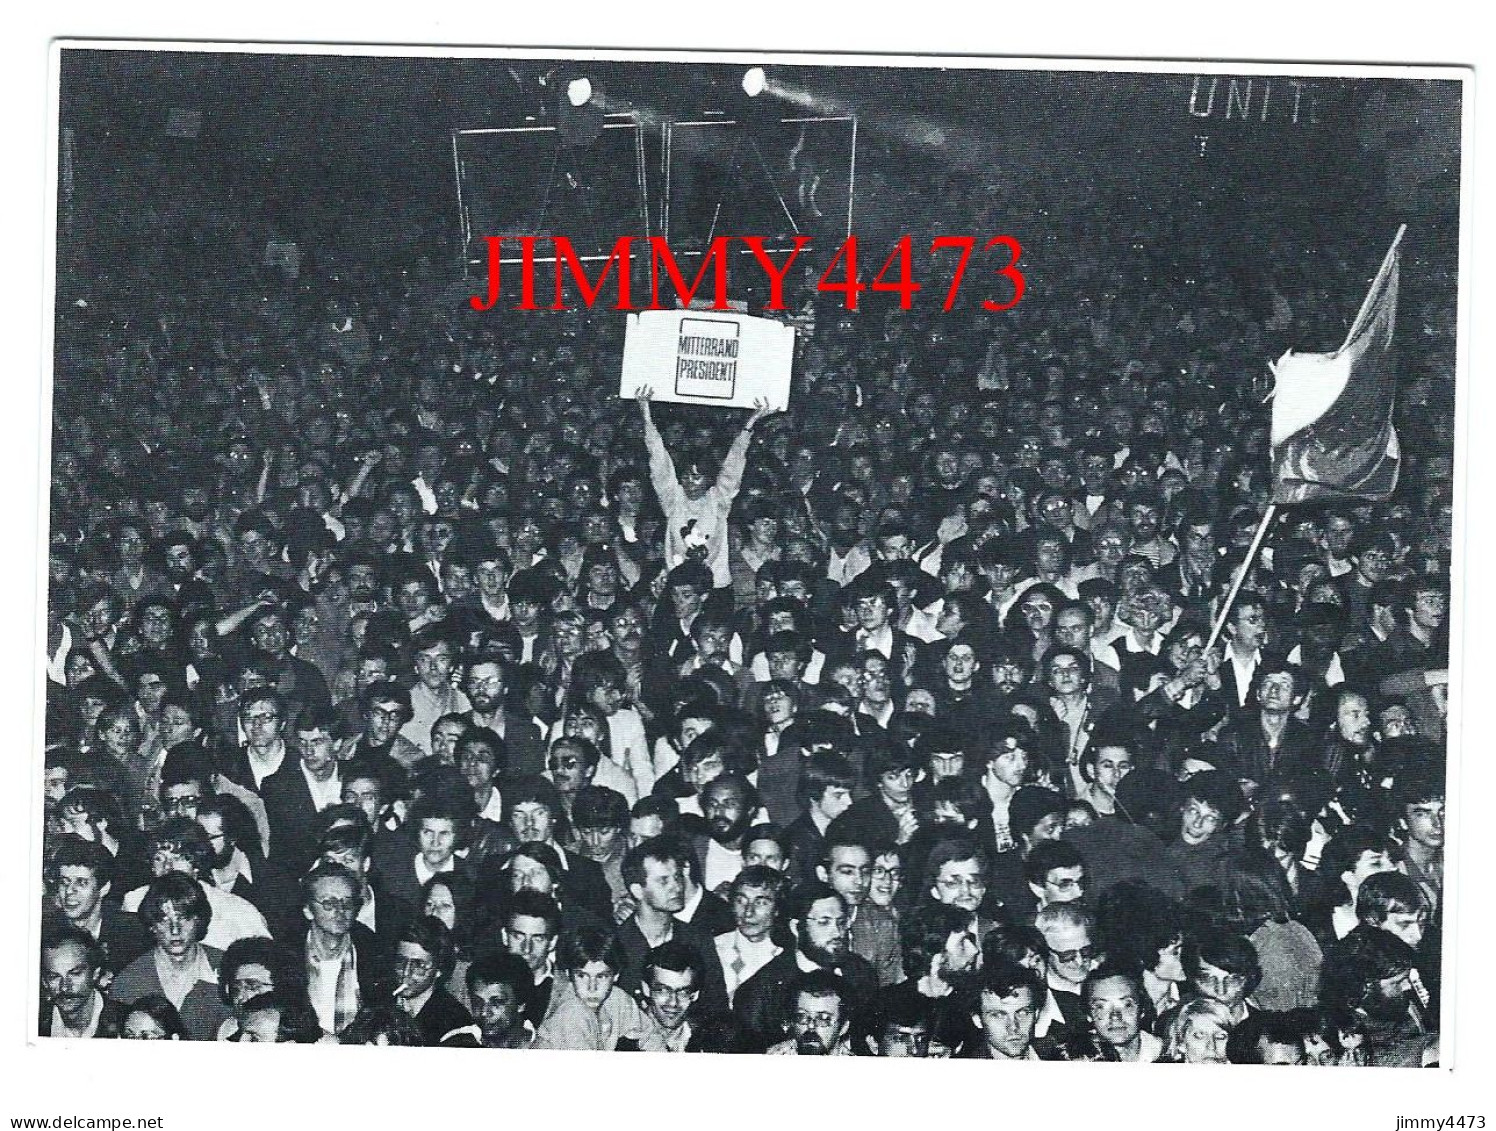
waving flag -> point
(1332, 434)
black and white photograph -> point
(914, 556)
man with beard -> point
(821, 1017)
(485, 681)
(819, 921)
(848, 867)
(729, 804)
(72, 1006)
(671, 995)
(186, 584)
(942, 957)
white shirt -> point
(60, 1027)
(722, 865)
(733, 948)
(324, 793)
(262, 769)
(234, 917)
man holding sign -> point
(696, 509)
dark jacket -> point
(763, 1004)
(112, 1016)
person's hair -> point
(924, 933)
(324, 870)
(1342, 853)
(187, 764)
(316, 716)
(1189, 1013)
(261, 695)
(1136, 921)
(75, 852)
(822, 771)
(739, 782)
(532, 789)
(1281, 824)
(1220, 791)
(949, 850)
(162, 1012)
(499, 968)
(595, 670)
(1004, 979)
(386, 1024)
(657, 805)
(183, 893)
(807, 895)
(1388, 893)
(534, 905)
(1049, 855)
(1111, 969)
(94, 952)
(882, 755)
(1244, 1044)
(298, 1023)
(661, 849)
(431, 935)
(1357, 963)
(585, 944)
(254, 951)
(386, 691)
(1065, 915)
(1419, 784)
(598, 807)
(358, 839)
(1012, 942)
(1224, 950)
(186, 838)
(587, 749)
(759, 876)
(965, 793)
(678, 957)
(96, 804)
(1255, 891)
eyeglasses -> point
(892, 874)
(336, 906)
(418, 966)
(1070, 957)
(666, 993)
(835, 922)
(261, 718)
(816, 1020)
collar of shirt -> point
(424, 871)
(493, 808)
(237, 866)
(692, 904)
(1051, 1014)
(60, 1027)
(324, 793)
(262, 766)
(879, 641)
(677, 1040)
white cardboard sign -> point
(708, 357)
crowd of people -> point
(409, 687)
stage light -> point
(579, 91)
(754, 81)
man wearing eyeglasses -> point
(670, 995)
(1069, 932)
(766, 1004)
(344, 960)
(264, 751)
(820, 1023)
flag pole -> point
(1241, 575)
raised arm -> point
(661, 466)
(730, 478)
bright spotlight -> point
(579, 91)
(754, 81)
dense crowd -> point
(408, 686)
